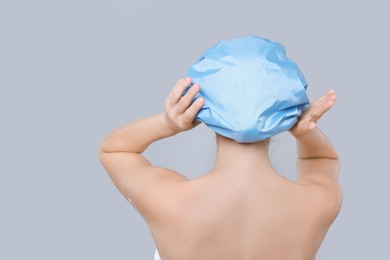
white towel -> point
(156, 255)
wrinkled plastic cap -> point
(252, 90)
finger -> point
(324, 97)
(321, 110)
(191, 112)
(316, 108)
(186, 100)
(173, 97)
(179, 88)
(330, 92)
(329, 95)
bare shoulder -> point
(324, 199)
(160, 196)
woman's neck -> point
(244, 157)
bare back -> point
(263, 217)
(249, 214)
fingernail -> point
(200, 99)
(188, 79)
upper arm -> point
(320, 178)
(320, 170)
(142, 184)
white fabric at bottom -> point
(157, 256)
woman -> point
(242, 209)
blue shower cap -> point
(251, 89)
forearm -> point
(314, 144)
(136, 136)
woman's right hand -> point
(308, 120)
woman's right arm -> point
(317, 160)
(315, 145)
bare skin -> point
(242, 208)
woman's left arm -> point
(120, 152)
(136, 136)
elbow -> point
(100, 152)
(105, 145)
(103, 148)
(335, 156)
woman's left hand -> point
(179, 112)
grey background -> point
(71, 71)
